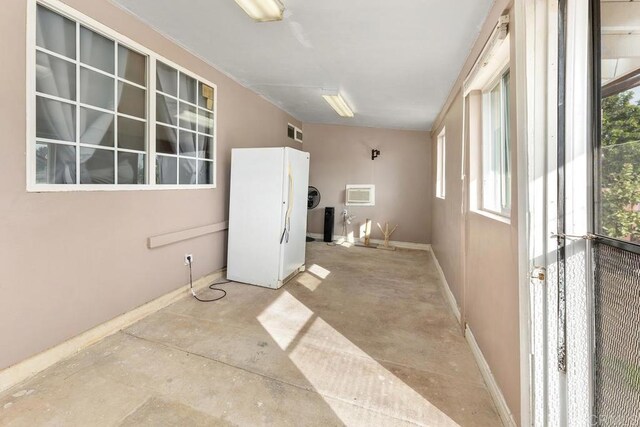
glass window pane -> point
(55, 33)
(205, 96)
(166, 79)
(131, 134)
(96, 166)
(493, 153)
(132, 66)
(166, 110)
(132, 100)
(506, 140)
(187, 143)
(166, 170)
(205, 147)
(205, 122)
(96, 127)
(97, 50)
(55, 164)
(55, 120)
(441, 155)
(55, 76)
(620, 166)
(131, 168)
(96, 89)
(496, 122)
(617, 162)
(187, 171)
(188, 88)
(205, 175)
(166, 140)
(188, 116)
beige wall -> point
(446, 215)
(341, 155)
(478, 254)
(71, 261)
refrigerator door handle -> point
(287, 218)
(285, 232)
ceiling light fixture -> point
(262, 10)
(338, 103)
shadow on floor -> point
(363, 337)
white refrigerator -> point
(267, 215)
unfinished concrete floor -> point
(363, 337)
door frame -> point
(536, 86)
(578, 214)
(543, 132)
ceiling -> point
(620, 22)
(393, 61)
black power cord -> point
(211, 286)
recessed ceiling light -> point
(262, 10)
(338, 103)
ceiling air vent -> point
(361, 195)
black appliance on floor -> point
(329, 214)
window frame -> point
(179, 128)
(441, 164)
(505, 144)
(597, 94)
(152, 57)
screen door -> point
(616, 213)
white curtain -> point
(167, 81)
(54, 119)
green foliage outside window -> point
(620, 167)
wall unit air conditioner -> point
(361, 195)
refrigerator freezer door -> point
(295, 189)
(255, 216)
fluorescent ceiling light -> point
(262, 10)
(338, 104)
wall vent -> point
(361, 195)
(294, 132)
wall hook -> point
(374, 153)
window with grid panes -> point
(91, 125)
(91, 106)
(184, 128)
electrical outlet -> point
(188, 259)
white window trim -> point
(491, 65)
(478, 205)
(441, 165)
(152, 56)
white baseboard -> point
(397, 244)
(494, 390)
(447, 290)
(23, 370)
(490, 381)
